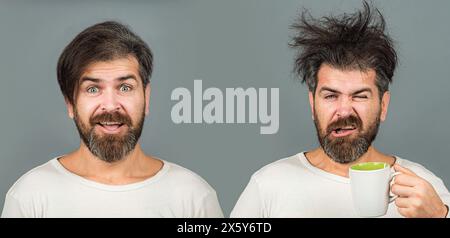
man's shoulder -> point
(185, 179)
(35, 180)
(281, 169)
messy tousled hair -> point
(349, 41)
(104, 41)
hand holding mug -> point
(416, 196)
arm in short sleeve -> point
(250, 203)
(210, 207)
(13, 208)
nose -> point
(110, 101)
(344, 108)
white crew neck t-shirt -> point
(50, 190)
(292, 187)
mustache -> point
(110, 117)
(351, 120)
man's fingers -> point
(404, 170)
(402, 202)
(402, 191)
(407, 180)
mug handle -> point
(392, 197)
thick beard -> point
(107, 147)
(345, 150)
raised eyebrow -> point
(85, 79)
(123, 78)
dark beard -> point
(345, 150)
(108, 147)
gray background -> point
(227, 44)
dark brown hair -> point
(101, 42)
(355, 41)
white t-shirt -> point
(50, 190)
(292, 187)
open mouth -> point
(343, 131)
(110, 126)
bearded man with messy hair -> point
(347, 62)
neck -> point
(318, 158)
(136, 166)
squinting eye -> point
(332, 96)
(361, 96)
(125, 88)
(92, 90)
